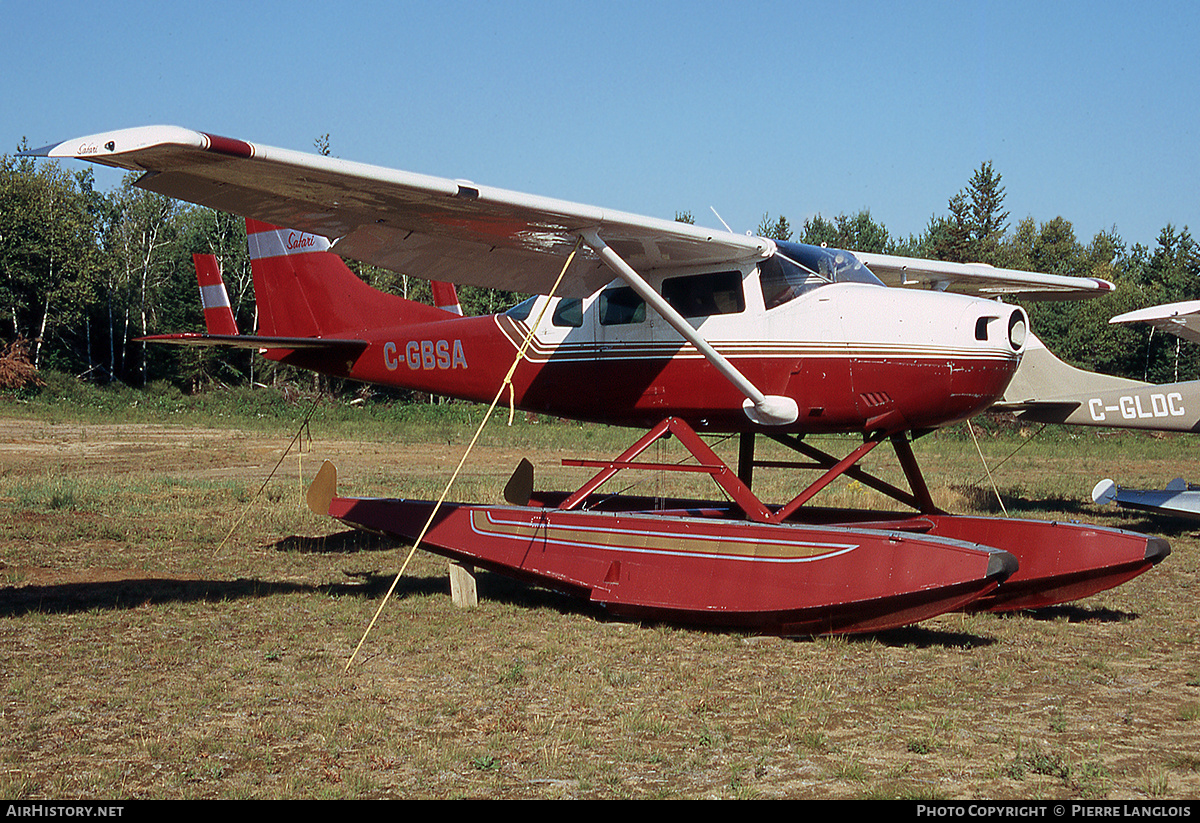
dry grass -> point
(147, 657)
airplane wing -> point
(435, 228)
(980, 279)
(460, 232)
(1180, 319)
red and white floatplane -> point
(660, 325)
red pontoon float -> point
(784, 569)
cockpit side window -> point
(621, 306)
(701, 295)
(568, 312)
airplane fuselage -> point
(854, 356)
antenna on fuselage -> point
(719, 217)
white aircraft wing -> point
(464, 233)
(429, 227)
(980, 279)
(1180, 319)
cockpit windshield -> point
(797, 268)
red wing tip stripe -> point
(228, 145)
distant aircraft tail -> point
(304, 290)
(218, 315)
(1047, 390)
(1044, 378)
(445, 297)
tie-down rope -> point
(507, 383)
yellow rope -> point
(971, 429)
(246, 509)
(507, 383)
(1023, 444)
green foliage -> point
(974, 229)
(780, 229)
(49, 255)
(858, 232)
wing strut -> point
(764, 409)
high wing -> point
(980, 279)
(425, 226)
(1180, 319)
(461, 232)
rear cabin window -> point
(701, 295)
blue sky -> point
(1088, 110)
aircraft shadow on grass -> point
(1015, 504)
(78, 597)
(344, 542)
(1074, 613)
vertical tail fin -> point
(305, 290)
(218, 316)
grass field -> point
(170, 632)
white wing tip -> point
(1104, 492)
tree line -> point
(84, 273)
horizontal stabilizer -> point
(248, 341)
(1178, 499)
(1045, 411)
